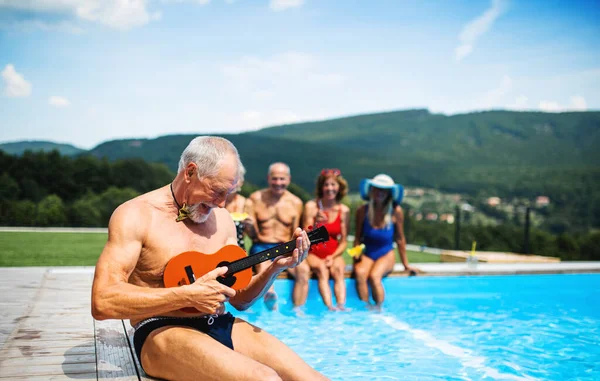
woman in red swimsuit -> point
(326, 260)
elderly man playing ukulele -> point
(148, 231)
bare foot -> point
(299, 311)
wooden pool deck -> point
(48, 333)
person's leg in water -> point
(301, 275)
(270, 297)
(338, 273)
(382, 267)
(362, 268)
(317, 265)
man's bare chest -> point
(162, 245)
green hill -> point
(485, 138)
(17, 148)
(257, 152)
(501, 153)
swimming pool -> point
(524, 327)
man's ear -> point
(190, 171)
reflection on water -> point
(444, 328)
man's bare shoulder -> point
(310, 204)
(135, 212)
(297, 201)
(257, 195)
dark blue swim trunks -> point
(216, 326)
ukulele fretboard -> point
(263, 256)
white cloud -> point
(57, 101)
(521, 103)
(282, 5)
(476, 28)
(494, 97)
(577, 103)
(118, 14)
(15, 84)
(199, 2)
(30, 25)
(289, 71)
(253, 119)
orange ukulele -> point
(186, 267)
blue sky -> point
(87, 71)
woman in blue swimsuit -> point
(379, 224)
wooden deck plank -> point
(114, 356)
(24, 362)
(50, 369)
(51, 352)
(47, 326)
(56, 377)
(130, 331)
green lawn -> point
(83, 249)
(50, 249)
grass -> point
(19, 249)
(50, 249)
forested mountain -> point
(17, 148)
(500, 153)
(484, 138)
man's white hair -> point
(287, 167)
(208, 153)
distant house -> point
(414, 192)
(431, 217)
(493, 201)
(447, 217)
(542, 201)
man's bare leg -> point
(181, 353)
(270, 297)
(301, 274)
(259, 345)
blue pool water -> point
(525, 327)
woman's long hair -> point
(388, 207)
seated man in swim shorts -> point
(145, 233)
(274, 215)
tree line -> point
(49, 189)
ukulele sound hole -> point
(227, 280)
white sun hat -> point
(382, 181)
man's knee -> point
(261, 373)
